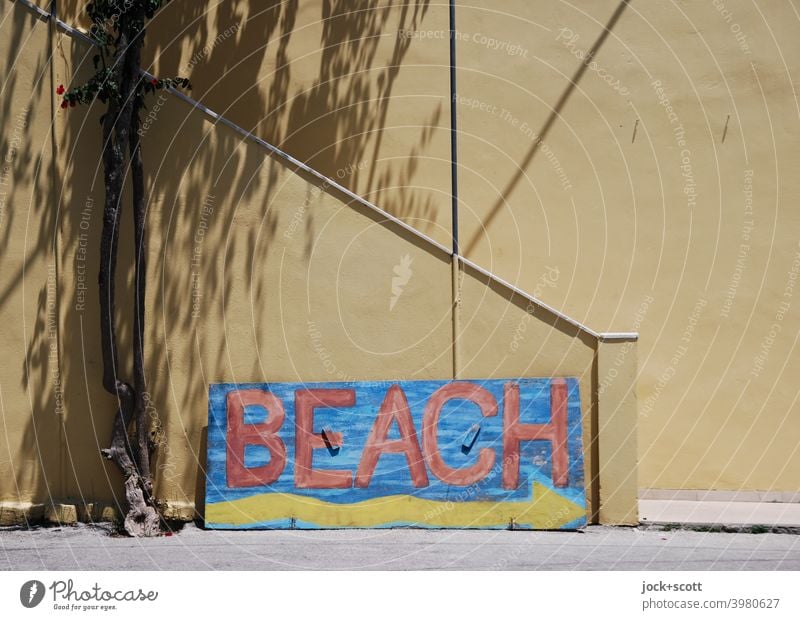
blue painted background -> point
(391, 475)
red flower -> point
(64, 103)
(60, 89)
(154, 82)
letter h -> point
(555, 432)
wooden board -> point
(494, 453)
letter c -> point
(430, 425)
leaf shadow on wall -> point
(28, 294)
(204, 178)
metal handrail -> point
(330, 183)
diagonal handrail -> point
(332, 184)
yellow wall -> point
(335, 84)
(260, 271)
(256, 272)
(638, 245)
(31, 409)
(596, 221)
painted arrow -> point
(548, 510)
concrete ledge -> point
(740, 513)
(69, 513)
(180, 511)
(66, 513)
(20, 513)
(787, 497)
(61, 514)
(651, 511)
(96, 512)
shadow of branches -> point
(328, 102)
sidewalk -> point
(83, 547)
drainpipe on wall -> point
(454, 188)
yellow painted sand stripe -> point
(548, 510)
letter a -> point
(394, 407)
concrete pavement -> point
(85, 547)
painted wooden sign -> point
(461, 454)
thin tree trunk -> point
(140, 282)
(142, 518)
(112, 168)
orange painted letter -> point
(306, 440)
(430, 425)
(394, 407)
(262, 434)
(555, 432)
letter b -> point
(264, 434)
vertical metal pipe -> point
(453, 126)
(454, 174)
(456, 310)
